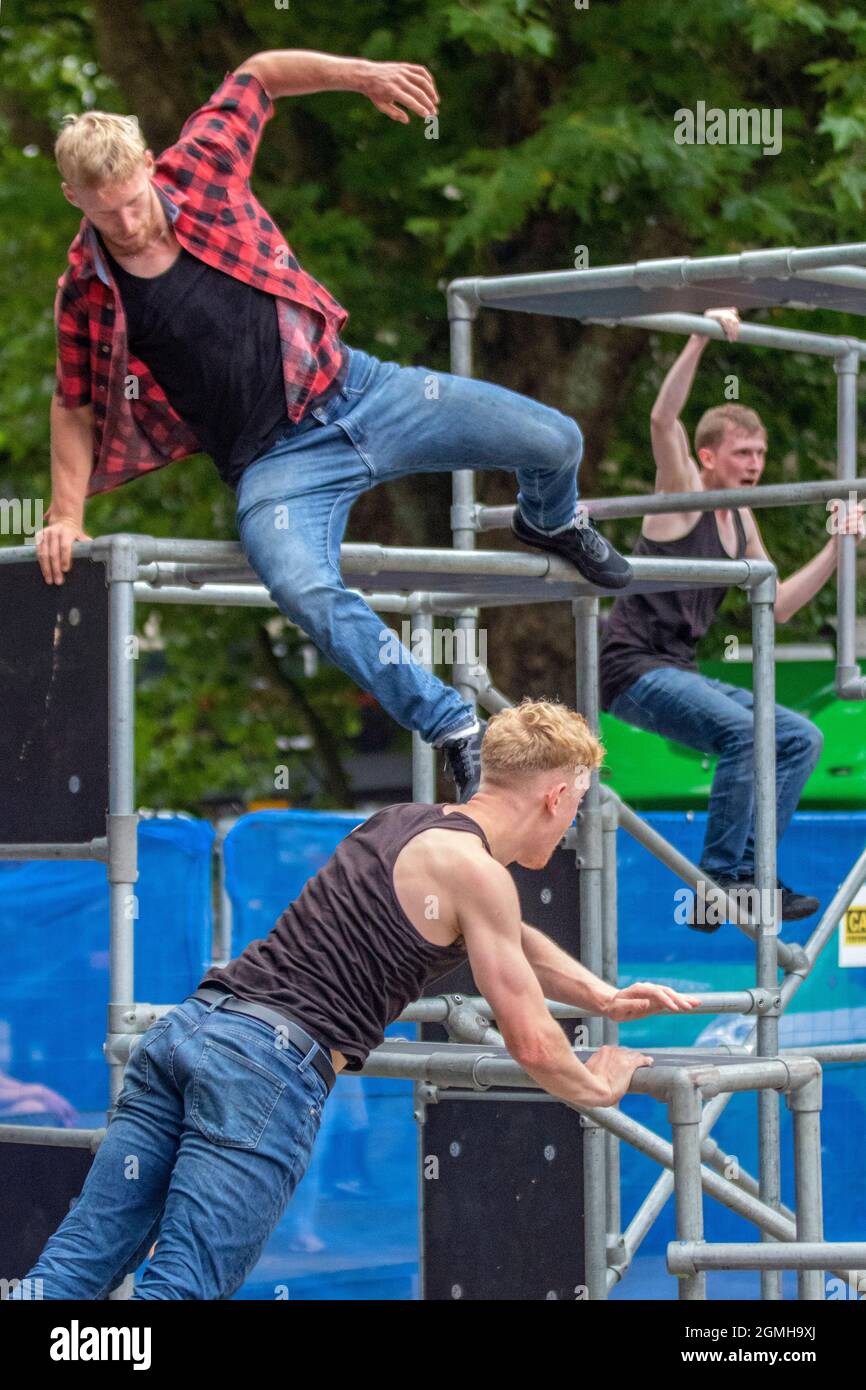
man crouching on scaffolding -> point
(649, 676)
(222, 1098)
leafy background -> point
(556, 131)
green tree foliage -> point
(555, 132)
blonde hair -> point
(98, 147)
(537, 736)
(713, 424)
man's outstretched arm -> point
(295, 72)
(565, 981)
(801, 586)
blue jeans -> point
(388, 421)
(716, 717)
(211, 1133)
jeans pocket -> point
(233, 1097)
(360, 373)
(137, 1074)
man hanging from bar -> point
(649, 676)
(185, 323)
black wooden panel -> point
(54, 702)
(37, 1184)
(502, 1218)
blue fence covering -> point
(54, 949)
(351, 1230)
(814, 856)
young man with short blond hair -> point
(222, 1098)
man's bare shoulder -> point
(460, 857)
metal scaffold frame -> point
(695, 1084)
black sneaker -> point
(584, 546)
(711, 906)
(796, 906)
(463, 761)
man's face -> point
(738, 460)
(127, 214)
(559, 803)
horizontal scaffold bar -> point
(687, 1257)
(652, 504)
(777, 262)
(409, 569)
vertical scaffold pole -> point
(461, 314)
(848, 678)
(423, 754)
(122, 819)
(805, 1104)
(610, 1033)
(589, 862)
(763, 596)
(122, 822)
(423, 789)
(684, 1112)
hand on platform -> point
(641, 1000)
(54, 547)
(615, 1067)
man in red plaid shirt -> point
(186, 324)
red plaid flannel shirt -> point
(204, 183)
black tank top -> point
(647, 631)
(344, 960)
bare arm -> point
(564, 980)
(489, 917)
(71, 463)
(561, 977)
(676, 470)
(285, 72)
(801, 586)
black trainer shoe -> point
(584, 546)
(711, 906)
(795, 905)
(704, 904)
(463, 761)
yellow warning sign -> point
(855, 926)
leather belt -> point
(288, 1027)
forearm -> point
(803, 585)
(563, 1075)
(562, 978)
(71, 460)
(295, 72)
(677, 385)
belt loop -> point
(302, 1066)
(223, 999)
